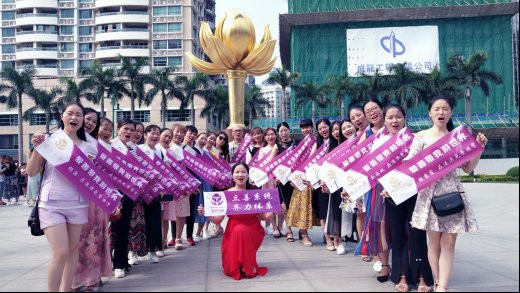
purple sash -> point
(69, 160)
(127, 158)
(167, 180)
(385, 155)
(262, 173)
(241, 202)
(240, 154)
(431, 164)
(182, 174)
(298, 175)
(202, 168)
(300, 153)
(124, 178)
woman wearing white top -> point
(152, 211)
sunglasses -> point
(222, 138)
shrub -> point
(513, 172)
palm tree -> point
(49, 102)
(73, 92)
(405, 86)
(217, 103)
(18, 84)
(470, 73)
(102, 83)
(370, 86)
(135, 80)
(439, 85)
(310, 92)
(166, 87)
(285, 79)
(341, 86)
(255, 104)
(196, 85)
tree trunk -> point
(20, 130)
(163, 109)
(193, 110)
(102, 106)
(47, 121)
(342, 108)
(284, 106)
(132, 105)
(250, 117)
(468, 106)
(313, 113)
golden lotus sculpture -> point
(233, 52)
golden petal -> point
(260, 56)
(205, 67)
(263, 70)
(215, 49)
(220, 25)
(267, 35)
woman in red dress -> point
(243, 236)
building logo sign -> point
(392, 45)
(377, 49)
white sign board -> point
(371, 49)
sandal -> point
(277, 234)
(306, 240)
(402, 287)
(384, 278)
(423, 288)
(178, 244)
(366, 258)
(290, 237)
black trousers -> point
(409, 246)
(153, 222)
(190, 221)
(121, 228)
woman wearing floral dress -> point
(94, 253)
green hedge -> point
(489, 178)
(513, 172)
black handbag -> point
(448, 204)
(34, 217)
(34, 221)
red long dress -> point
(242, 239)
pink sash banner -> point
(220, 162)
(431, 164)
(240, 154)
(182, 172)
(260, 161)
(386, 153)
(126, 157)
(124, 178)
(166, 179)
(261, 174)
(59, 151)
(332, 171)
(298, 177)
(225, 177)
(243, 202)
(200, 167)
(300, 153)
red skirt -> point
(241, 241)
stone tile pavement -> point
(485, 261)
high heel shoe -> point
(385, 278)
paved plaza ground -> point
(485, 261)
